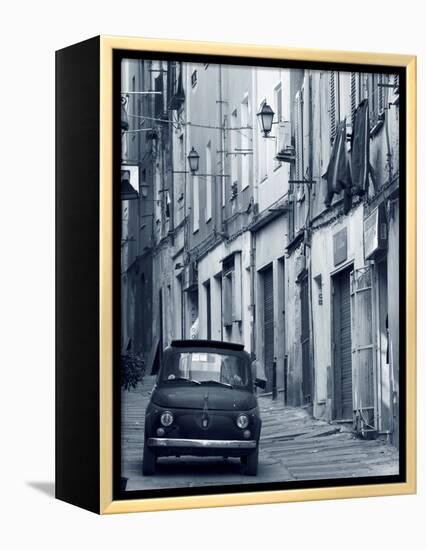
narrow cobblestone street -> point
(293, 447)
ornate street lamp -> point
(193, 160)
(266, 117)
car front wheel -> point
(251, 462)
(149, 460)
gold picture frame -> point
(107, 46)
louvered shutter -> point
(268, 324)
(364, 382)
(298, 134)
(236, 289)
(354, 95)
(299, 145)
(381, 80)
(396, 83)
(227, 283)
(333, 105)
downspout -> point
(253, 234)
(221, 194)
(252, 293)
(185, 189)
(309, 222)
(170, 185)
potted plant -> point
(132, 370)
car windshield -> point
(200, 367)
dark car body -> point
(209, 406)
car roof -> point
(217, 344)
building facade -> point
(286, 242)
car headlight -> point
(242, 421)
(166, 418)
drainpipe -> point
(309, 221)
(252, 293)
(388, 145)
(253, 234)
(222, 153)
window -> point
(205, 368)
(231, 289)
(334, 104)
(159, 96)
(298, 135)
(133, 111)
(376, 84)
(356, 92)
(181, 151)
(195, 204)
(278, 103)
(208, 181)
(299, 167)
(194, 78)
(263, 143)
(177, 93)
(180, 180)
(233, 146)
(245, 144)
(158, 199)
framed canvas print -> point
(235, 274)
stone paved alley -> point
(293, 446)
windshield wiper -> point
(182, 379)
(217, 382)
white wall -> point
(323, 264)
(31, 31)
(208, 268)
(271, 177)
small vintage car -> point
(203, 404)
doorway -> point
(305, 340)
(208, 309)
(342, 346)
(268, 324)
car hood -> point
(197, 397)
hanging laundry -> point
(338, 171)
(360, 149)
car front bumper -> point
(219, 444)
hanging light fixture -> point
(266, 117)
(193, 160)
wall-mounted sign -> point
(129, 182)
(375, 232)
(340, 246)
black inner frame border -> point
(118, 56)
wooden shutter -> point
(227, 298)
(364, 383)
(299, 165)
(354, 95)
(268, 324)
(159, 96)
(381, 80)
(298, 135)
(236, 288)
(396, 83)
(334, 104)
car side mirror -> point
(260, 383)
